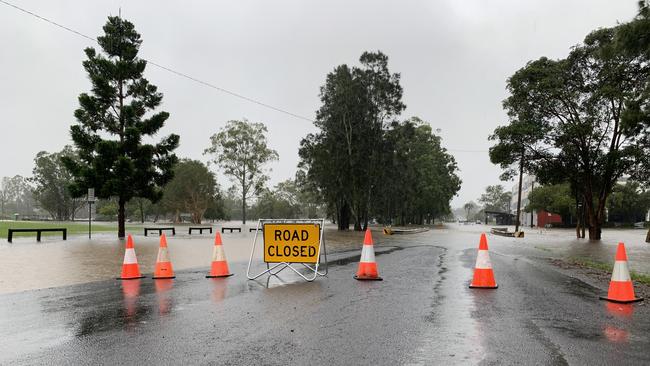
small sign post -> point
(90, 199)
(287, 242)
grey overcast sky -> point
(454, 57)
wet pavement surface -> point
(421, 314)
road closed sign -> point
(291, 242)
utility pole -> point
(521, 173)
(532, 185)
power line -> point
(191, 78)
(168, 69)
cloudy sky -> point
(454, 57)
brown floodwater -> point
(26, 264)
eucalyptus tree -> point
(343, 158)
(241, 150)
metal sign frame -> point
(279, 267)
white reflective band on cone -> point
(621, 272)
(367, 254)
(129, 256)
(483, 260)
(163, 256)
(217, 254)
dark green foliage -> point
(417, 177)
(628, 203)
(496, 199)
(192, 190)
(557, 198)
(113, 119)
(570, 121)
(358, 160)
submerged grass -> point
(73, 227)
(606, 267)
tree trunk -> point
(594, 220)
(344, 217)
(243, 209)
(141, 211)
(121, 230)
(647, 237)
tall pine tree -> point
(112, 121)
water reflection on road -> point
(27, 265)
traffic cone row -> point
(621, 289)
(163, 268)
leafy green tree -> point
(634, 42)
(240, 149)
(107, 209)
(193, 189)
(216, 208)
(573, 110)
(628, 203)
(343, 158)
(114, 119)
(556, 198)
(413, 156)
(496, 199)
(51, 179)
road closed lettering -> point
(292, 243)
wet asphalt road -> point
(422, 313)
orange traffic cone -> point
(620, 287)
(130, 268)
(483, 274)
(367, 265)
(163, 264)
(219, 266)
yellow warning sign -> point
(291, 243)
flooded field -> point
(26, 264)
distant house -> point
(538, 218)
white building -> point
(528, 182)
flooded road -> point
(422, 313)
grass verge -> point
(606, 267)
(73, 227)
